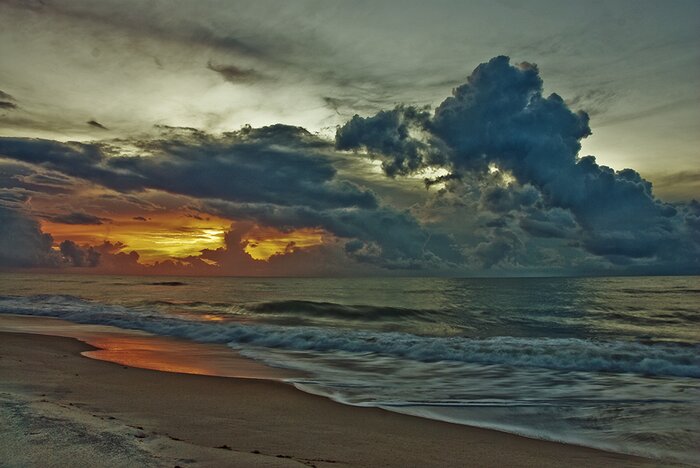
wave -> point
(676, 290)
(339, 311)
(565, 354)
(192, 304)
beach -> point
(60, 408)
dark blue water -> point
(606, 362)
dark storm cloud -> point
(79, 160)
(277, 176)
(21, 177)
(7, 105)
(387, 135)
(96, 124)
(22, 244)
(78, 256)
(500, 199)
(556, 223)
(382, 235)
(277, 164)
(514, 182)
(76, 218)
(500, 118)
(502, 245)
(9, 197)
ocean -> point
(611, 363)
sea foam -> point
(569, 354)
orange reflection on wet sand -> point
(140, 349)
(171, 355)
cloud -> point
(155, 21)
(681, 186)
(232, 258)
(672, 106)
(389, 136)
(500, 119)
(96, 124)
(76, 218)
(79, 256)
(276, 164)
(593, 101)
(503, 199)
(382, 236)
(234, 74)
(505, 188)
(554, 223)
(502, 245)
(277, 176)
(22, 244)
(7, 101)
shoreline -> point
(137, 348)
(171, 419)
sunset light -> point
(435, 234)
(264, 243)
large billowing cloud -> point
(499, 120)
(22, 244)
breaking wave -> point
(339, 311)
(566, 354)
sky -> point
(495, 138)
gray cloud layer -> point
(516, 196)
(277, 176)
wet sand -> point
(60, 408)
(141, 349)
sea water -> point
(612, 363)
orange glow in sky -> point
(174, 235)
(161, 236)
(265, 242)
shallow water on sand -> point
(135, 348)
(607, 362)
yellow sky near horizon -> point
(167, 235)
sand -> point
(59, 408)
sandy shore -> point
(59, 408)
